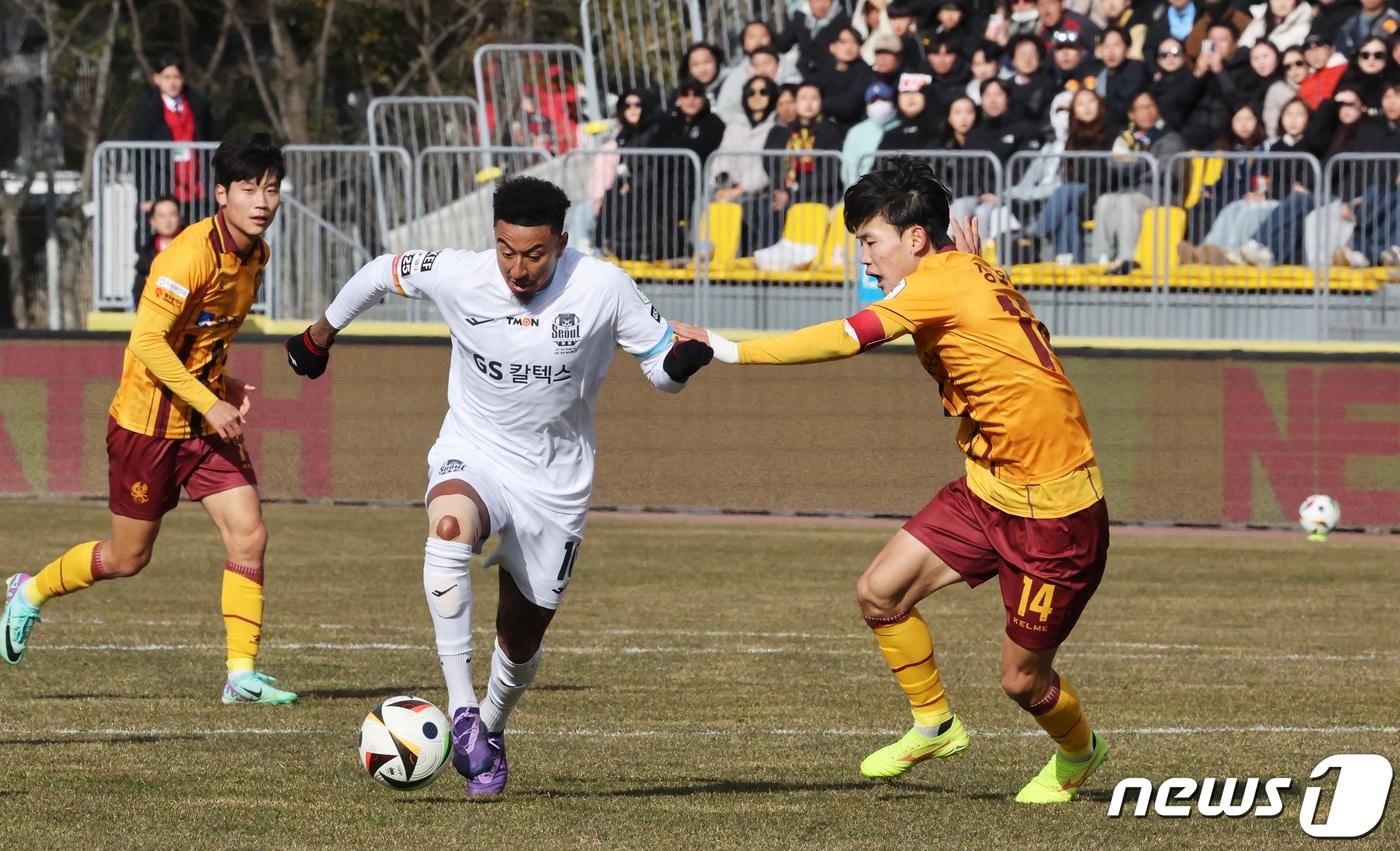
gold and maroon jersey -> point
(196, 298)
(1023, 431)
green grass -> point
(705, 684)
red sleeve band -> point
(870, 331)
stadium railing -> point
(1364, 301)
(417, 122)
(534, 95)
(638, 42)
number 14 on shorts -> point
(1040, 602)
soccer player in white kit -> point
(534, 326)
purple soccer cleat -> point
(490, 780)
(469, 752)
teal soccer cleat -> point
(255, 687)
(18, 620)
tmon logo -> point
(1358, 798)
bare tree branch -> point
(255, 70)
(138, 48)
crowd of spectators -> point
(1059, 76)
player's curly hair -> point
(529, 202)
(905, 192)
(237, 160)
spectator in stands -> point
(953, 25)
(811, 30)
(1329, 15)
(1395, 48)
(1121, 14)
(1073, 66)
(689, 126)
(1002, 215)
(1175, 86)
(805, 178)
(165, 224)
(902, 15)
(702, 64)
(918, 126)
(1019, 17)
(1122, 78)
(1285, 23)
(621, 191)
(1118, 215)
(1215, 13)
(870, 20)
(1372, 20)
(1332, 131)
(1222, 69)
(1370, 71)
(1327, 66)
(756, 40)
(1284, 89)
(785, 110)
(740, 175)
(1174, 19)
(998, 129)
(1061, 220)
(1280, 238)
(863, 140)
(763, 62)
(950, 74)
(843, 78)
(170, 111)
(1265, 69)
(985, 65)
(1054, 18)
(889, 59)
(1232, 208)
(1031, 87)
(1376, 211)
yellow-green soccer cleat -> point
(1059, 781)
(255, 687)
(893, 760)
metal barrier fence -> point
(418, 122)
(638, 43)
(533, 95)
(1206, 244)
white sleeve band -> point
(726, 350)
(363, 291)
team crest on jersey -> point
(567, 332)
(140, 493)
(451, 466)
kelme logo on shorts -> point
(1356, 808)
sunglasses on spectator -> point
(1296, 63)
(752, 92)
(1169, 52)
(1371, 54)
(632, 104)
(1351, 103)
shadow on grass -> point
(381, 692)
(87, 695)
(134, 739)
(704, 787)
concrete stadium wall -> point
(1182, 437)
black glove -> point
(685, 359)
(305, 357)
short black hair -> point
(530, 202)
(905, 192)
(161, 199)
(765, 49)
(237, 160)
(165, 60)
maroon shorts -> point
(1048, 568)
(145, 474)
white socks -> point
(448, 588)
(508, 682)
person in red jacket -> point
(1327, 65)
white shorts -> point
(538, 545)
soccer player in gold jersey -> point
(177, 421)
(1030, 510)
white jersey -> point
(524, 378)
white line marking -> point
(1241, 729)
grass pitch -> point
(707, 683)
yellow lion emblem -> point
(140, 492)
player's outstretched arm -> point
(825, 341)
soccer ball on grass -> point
(1318, 515)
(404, 742)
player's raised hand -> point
(305, 356)
(226, 420)
(686, 331)
(967, 235)
(236, 393)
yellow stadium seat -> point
(806, 223)
(720, 227)
(1172, 222)
(828, 257)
